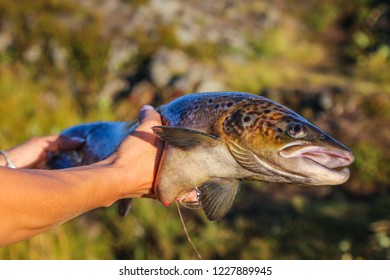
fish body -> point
(101, 139)
(215, 140)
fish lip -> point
(329, 163)
(330, 158)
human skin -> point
(33, 153)
(33, 201)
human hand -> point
(137, 158)
(129, 172)
(33, 153)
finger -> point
(69, 143)
(54, 143)
(148, 118)
(149, 114)
(46, 143)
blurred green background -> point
(67, 62)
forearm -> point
(32, 201)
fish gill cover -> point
(68, 62)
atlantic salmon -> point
(215, 140)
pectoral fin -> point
(216, 197)
(124, 206)
(185, 138)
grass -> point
(31, 109)
(268, 221)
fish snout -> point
(327, 157)
(318, 164)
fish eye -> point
(296, 130)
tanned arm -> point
(33, 201)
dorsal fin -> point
(216, 197)
(185, 138)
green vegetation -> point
(55, 70)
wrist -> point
(5, 160)
(90, 186)
(130, 181)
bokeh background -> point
(65, 62)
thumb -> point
(149, 117)
(69, 143)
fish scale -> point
(195, 112)
(215, 140)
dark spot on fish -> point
(267, 111)
(216, 106)
(210, 100)
(247, 119)
(234, 122)
(279, 130)
(276, 116)
(229, 104)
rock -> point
(141, 94)
(167, 10)
(167, 63)
(210, 84)
(121, 53)
(6, 40)
(60, 55)
(111, 87)
(33, 53)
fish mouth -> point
(190, 199)
(321, 165)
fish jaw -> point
(319, 165)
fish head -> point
(279, 145)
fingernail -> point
(142, 113)
(147, 107)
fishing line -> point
(185, 230)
